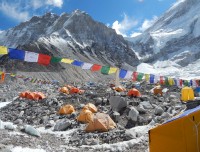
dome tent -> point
(187, 93)
(101, 122)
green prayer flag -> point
(166, 81)
(55, 59)
(140, 76)
(186, 83)
(105, 69)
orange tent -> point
(66, 109)
(64, 90)
(157, 91)
(23, 94)
(74, 90)
(101, 122)
(134, 93)
(32, 95)
(179, 134)
(39, 96)
(120, 89)
(2, 77)
(90, 107)
(85, 116)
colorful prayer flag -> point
(151, 80)
(31, 56)
(112, 70)
(175, 82)
(105, 69)
(166, 81)
(55, 59)
(185, 83)
(3, 50)
(96, 67)
(44, 59)
(162, 82)
(135, 74)
(86, 66)
(65, 60)
(122, 73)
(77, 63)
(147, 76)
(140, 76)
(16, 54)
(171, 81)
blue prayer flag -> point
(122, 73)
(77, 63)
(16, 54)
(152, 78)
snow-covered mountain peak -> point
(175, 32)
(75, 35)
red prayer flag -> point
(135, 74)
(162, 82)
(181, 82)
(96, 67)
(44, 59)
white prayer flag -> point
(86, 66)
(31, 56)
(129, 75)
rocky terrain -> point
(37, 125)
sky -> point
(127, 17)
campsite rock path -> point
(137, 112)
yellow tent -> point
(90, 107)
(66, 109)
(180, 134)
(85, 116)
(187, 93)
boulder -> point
(146, 105)
(117, 103)
(32, 131)
(158, 111)
(133, 114)
(62, 125)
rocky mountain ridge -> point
(174, 36)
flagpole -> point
(117, 78)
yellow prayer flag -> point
(171, 81)
(3, 50)
(69, 61)
(1, 72)
(112, 70)
(147, 77)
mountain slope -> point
(174, 36)
(75, 36)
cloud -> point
(147, 23)
(22, 10)
(13, 10)
(36, 4)
(125, 25)
(140, 0)
(56, 3)
(135, 34)
(1, 31)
